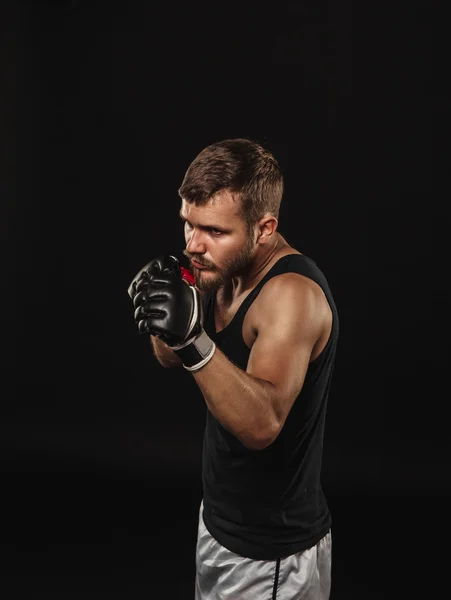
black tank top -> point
(267, 504)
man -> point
(255, 323)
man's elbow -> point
(262, 439)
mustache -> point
(200, 261)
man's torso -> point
(224, 312)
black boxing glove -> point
(168, 306)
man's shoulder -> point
(287, 292)
(288, 283)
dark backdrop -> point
(103, 107)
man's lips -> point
(198, 265)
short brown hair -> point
(241, 166)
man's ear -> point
(267, 228)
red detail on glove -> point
(187, 276)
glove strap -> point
(196, 352)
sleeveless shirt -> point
(267, 504)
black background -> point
(103, 107)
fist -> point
(161, 266)
(164, 305)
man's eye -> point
(216, 232)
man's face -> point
(216, 237)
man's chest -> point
(224, 314)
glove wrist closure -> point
(196, 352)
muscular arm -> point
(241, 402)
(253, 404)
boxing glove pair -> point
(167, 305)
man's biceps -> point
(270, 363)
(279, 363)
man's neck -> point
(261, 264)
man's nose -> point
(195, 244)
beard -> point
(237, 265)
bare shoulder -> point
(290, 296)
(291, 286)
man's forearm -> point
(165, 356)
(243, 404)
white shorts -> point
(224, 575)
